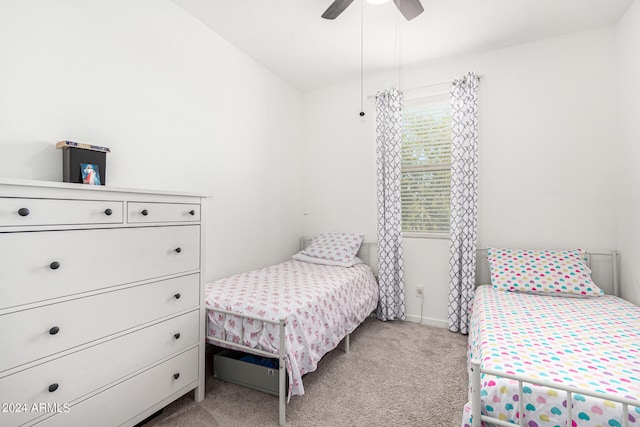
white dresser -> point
(101, 303)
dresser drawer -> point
(32, 212)
(29, 335)
(117, 405)
(86, 260)
(85, 371)
(162, 212)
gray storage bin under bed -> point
(227, 366)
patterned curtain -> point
(389, 144)
(464, 200)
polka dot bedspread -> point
(588, 343)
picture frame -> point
(90, 173)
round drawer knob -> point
(177, 336)
(176, 376)
(108, 212)
(53, 387)
(54, 265)
(23, 212)
(178, 250)
(54, 330)
(177, 296)
(192, 212)
(145, 212)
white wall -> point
(628, 70)
(180, 107)
(547, 154)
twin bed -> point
(547, 348)
(295, 311)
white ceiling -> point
(289, 37)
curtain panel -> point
(388, 148)
(464, 200)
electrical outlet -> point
(420, 291)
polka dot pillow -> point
(548, 272)
(341, 247)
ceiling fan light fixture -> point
(409, 8)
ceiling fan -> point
(409, 8)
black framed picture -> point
(75, 158)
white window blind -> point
(426, 165)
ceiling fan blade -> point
(336, 8)
(409, 8)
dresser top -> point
(84, 187)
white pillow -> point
(341, 247)
(541, 271)
(306, 258)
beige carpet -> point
(397, 374)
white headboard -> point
(605, 270)
(368, 252)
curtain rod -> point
(480, 76)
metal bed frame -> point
(365, 253)
(477, 370)
(282, 370)
(476, 402)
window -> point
(426, 165)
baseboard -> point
(438, 323)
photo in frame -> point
(90, 173)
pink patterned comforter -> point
(322, 305)
(589, 343)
